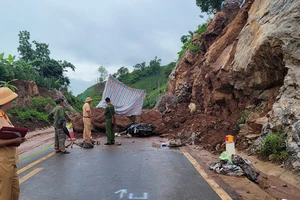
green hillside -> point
(95, 92)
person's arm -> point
(88, 110)
(51, 116)
(11, 141)
(114, 111)
(88, 113)
(106, 111)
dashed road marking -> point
(35, 163)
(30, 174)
(222, 194)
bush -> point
(76, 103)
(39, 103)
(274, 144)
(188, 45)
(49, 83)
(24, 114)
(184, 48)
(194, 48)
(202, 28)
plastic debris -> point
(164, 144)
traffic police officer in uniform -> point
(9, 158)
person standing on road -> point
(87, 114)
(9, 157)
(58, 116)
(109, 114)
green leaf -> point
(10, 59)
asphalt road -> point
(138, 169)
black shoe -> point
(65, 152)
(107, 143)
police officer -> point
(109, 112)
(9, 158)
(59, 117)
(87, 114)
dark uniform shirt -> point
(109, 111)
(57, 114)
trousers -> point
(109, 131)
(60, 139)
(9, 182)
(87, 132)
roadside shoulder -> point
(236, 187)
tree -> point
(25, 70)
(66, 64)
(51, 68)
(123, 71)
(103, 73)
(140, 66)
(154, 65)
(42, 51)
(185, 38)
(25, 47)
(6, 67)
(36, 64)
(209, 6)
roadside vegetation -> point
(35, 112)
(187, 41)
(274, 147)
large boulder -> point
(167, 103)
(77, 123)
(154, 117)
(98, 118)
(98, 121)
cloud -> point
(109, 33)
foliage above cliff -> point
(187, 40)
(209, 6)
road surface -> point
(138, 169)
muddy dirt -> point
(209, 131)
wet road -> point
(137, 169)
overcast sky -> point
(90, 33)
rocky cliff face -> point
(249, 60)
